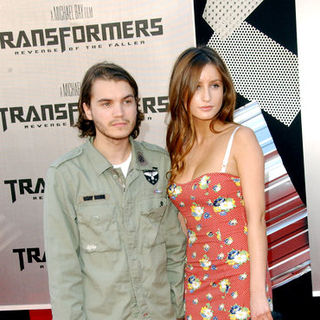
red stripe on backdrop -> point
(40, 314)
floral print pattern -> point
(236, 181)
(236, 258)
(224, 285)
(193, 283)
(205, 263)
(223, 205)
(204, 182)
(174, 191)
(197, 211)
(206, 312)
(192, 237)
(239, 313)
(217, 187)
(217, 268)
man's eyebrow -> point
(103, 100)
(108, 99)
(128, 96)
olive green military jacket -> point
(114, 247)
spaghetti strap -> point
(227, 154)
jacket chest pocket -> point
(152, 213)
(98, 227)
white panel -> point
(308, 30)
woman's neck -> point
(203, 131)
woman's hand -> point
(259, 308)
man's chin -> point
(120, 138)
(120, 134)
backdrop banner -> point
(45, 49)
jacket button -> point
(91, 247)
(96, 218)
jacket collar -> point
(101, 164)
(140, 159)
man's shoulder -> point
(67, 157)
(152, 148)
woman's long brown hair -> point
(183, 82)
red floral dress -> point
(217, 272)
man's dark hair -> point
(105, 71)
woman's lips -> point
(206, 108)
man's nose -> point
(117, 110)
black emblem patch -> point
(152, 176)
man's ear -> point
(87, 111)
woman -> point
(224, 219)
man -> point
(115, 249)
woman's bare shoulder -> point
(246, 144)
(245, 135)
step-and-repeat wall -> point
(47, 45)
(45, 49)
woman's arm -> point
(250, 164)
(183, 223)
